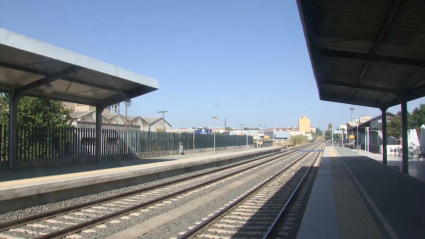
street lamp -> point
(48, 88)
(246, 138)
(225, 126)
(258, 134)
(163, 117)
(351, 120)
(241, 127)
(214, 118)
(127, 104)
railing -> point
(49, 143)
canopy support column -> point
(13, 130)
(405, 150)
(98, 151)
(384, 134)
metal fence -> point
(45, 142)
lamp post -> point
(258, 134)
(127, 104)
(351, 120)
(163, 117)
(241, 127)
(225, 126)
(357, 137)
(246, 138)
(214, 118)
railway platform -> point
(40, 186)
(355, 196)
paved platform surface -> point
(51, 171)
(34, 182)
(357, 197)
(416, 165)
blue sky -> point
(243, 59)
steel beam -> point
(384, 134)
(369, 58)
(358, 86)
(98, 151)
(103, 87)
(22, 68)
(126, 95)
(405, 150)
(48, 79)
(347, 100)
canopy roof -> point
(26, 65)
(363, 52)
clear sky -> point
(240, 58)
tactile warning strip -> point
(354, 218)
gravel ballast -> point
(9, 216)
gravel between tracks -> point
(131, 221)
(9, 216)
(172, 228)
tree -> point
(328, 133)
(417, 118)
(394, 127)
(298, 139)
(41, 125)
(319, 132)
(36, 112)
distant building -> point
(183, 130)
(73, 107)
(304, 124)
(157, 124)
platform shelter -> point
(367, 53)
(29, 67)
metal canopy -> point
(26, 65)
(363, 52)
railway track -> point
(83, 217)
(257, 213)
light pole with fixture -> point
(258, 134)
(214, 118)
(127, 104)
(351, 120)
(48, 88)
(163, 118)
(225, 126)
(241, 127)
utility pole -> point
(241, 127)
(258, 136)
(225, 126)
(214, 118)
(163, 117)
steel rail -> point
(291, 198)
(235, 203)
(22, 221)
(93, 222)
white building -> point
(145, 124)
